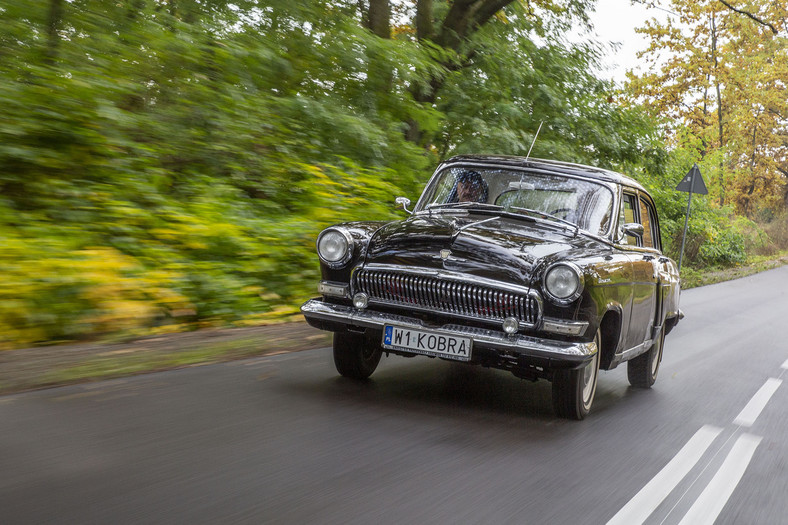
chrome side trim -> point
(559, 326)
(525, 345)
(636, 350)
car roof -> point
(555, 166)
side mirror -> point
(633, 228)
(405, 202)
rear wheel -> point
(642, 370)
(355, 355)
(573, 390)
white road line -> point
(714, 497)
(785, 365)
(643, 504)
(750, 413)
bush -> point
(724, 247)
(777, 232)
(716, 236)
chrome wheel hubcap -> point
(589, 376)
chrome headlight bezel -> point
(345, 258)
(576, 274)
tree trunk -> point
(53, 38)
(463, 19)
(719, 107)
(704, 142)
(424, 27)
(379, 18)
(722, 162)
(379, 74)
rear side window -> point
(647, 219)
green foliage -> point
(716, 237)
(161, 169)
(516, 85)
(168, 165)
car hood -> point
(493, 247)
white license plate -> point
(427, 343)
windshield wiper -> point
(512, 211)
(545, 215)
(465, 206)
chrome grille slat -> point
(520, 309)
(449, 296)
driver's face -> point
(468, 192)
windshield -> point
(583, 203)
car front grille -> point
(452, 296)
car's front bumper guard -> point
(556, 353)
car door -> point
(668, 289)
(644, 255)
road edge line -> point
(712, 500)
(643, 504)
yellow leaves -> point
(120, 294)
(94, 290)
(276, 315)
(165, 234)
(119, 315)
(719, 75)
(269, 296)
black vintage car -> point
(547, 269)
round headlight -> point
(334, 247)
(562, 282)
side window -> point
(628, 215)
(647, 220)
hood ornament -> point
(446, 256)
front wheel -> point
(642, 370)
(573, 390)
(355, 355)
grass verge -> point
(692, 278)
(43, 367)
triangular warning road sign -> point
(693, 180)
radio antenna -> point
(534, 142)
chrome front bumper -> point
(318, 312)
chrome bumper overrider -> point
(317, 310)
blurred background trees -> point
(168, 163)
(717, 73)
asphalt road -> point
(283, 439)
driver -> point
(471, 187)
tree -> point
(712, 46)
(170, 162)
(446, 31)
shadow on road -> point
(455, 391)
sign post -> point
(691, 183)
